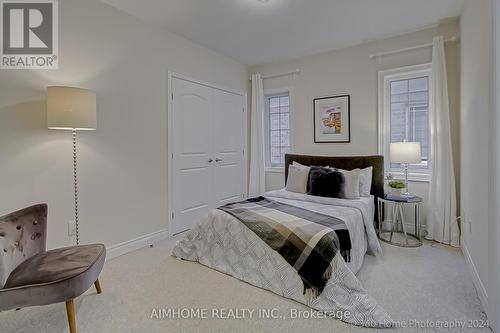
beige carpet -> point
(425, 284)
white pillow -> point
(298, 176)
(365, 181)
(303, 167)
(306, 167)
(351, 186)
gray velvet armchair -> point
(30, 275)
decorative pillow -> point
(301, 166)
(365, 181)
(351, 187)
(326, 182)
(304, 166)
(298, 177)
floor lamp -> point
(72, 109)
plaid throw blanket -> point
(308, 241)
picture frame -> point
(332, 119)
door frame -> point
(170, 76)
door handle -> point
(210, 160)
(218, 160)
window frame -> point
(384, 117)
(275, 93)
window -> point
(404, 96)
(277, 128)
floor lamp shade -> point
(71, 108)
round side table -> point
(397, 234)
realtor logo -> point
(29, 33)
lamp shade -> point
(405, 152)
(71, 108)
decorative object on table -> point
(398, 197)
(396, 187)
(332, 119)
(397, 234)
(32, 276)
(72, 109)
(406, 153)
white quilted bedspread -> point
(225, 244)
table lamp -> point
(72, 109)
(406, 153)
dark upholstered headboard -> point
(346, 163)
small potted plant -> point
(396, 187)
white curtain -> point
(442, 220)
(257, 181)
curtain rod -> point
(297, 71)
(406, 49)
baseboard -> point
(478, 284)
(135, 244)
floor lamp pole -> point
(75, 184)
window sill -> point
(412, 176)
(275, 169)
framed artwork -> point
(332, 119)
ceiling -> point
(260, 31)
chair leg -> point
(70, 310)
(98, 286)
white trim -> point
(206, 83)
(478, 284)
(494, 261)
(275, 91)
(281, 90)
(169, 152)
(246, 161)
(119, 249)
(412, 176)
(272, 76)
(383, 123)
(275, 169)
(170, 76)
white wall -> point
(351, 71)
(476, 32)
(123, 165)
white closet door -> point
(228, 147)
(207, 144)
(192, 153)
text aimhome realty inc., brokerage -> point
(29, 34)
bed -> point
(223, 242)
(350, 210)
